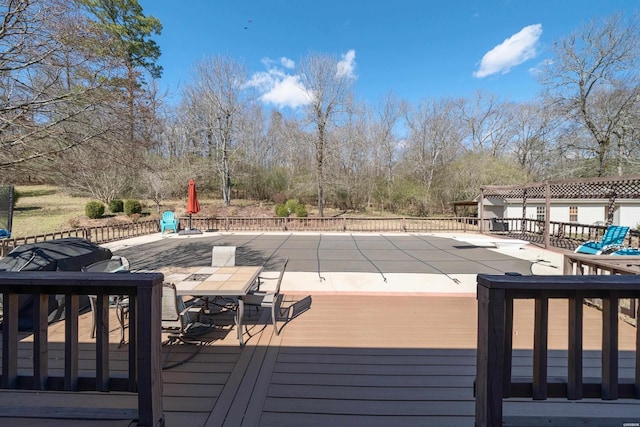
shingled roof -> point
(619, 187)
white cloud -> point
(287, 63)
(277, 87)
(347, 65)
(281, 88)
(287, 92)
(539, 68)
(515, 50)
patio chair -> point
(611, 241)
(267, 299)
(117, 264)
(168, 222)
(182, 321)
(223, 256)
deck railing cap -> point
(560, 282)
(28, 280)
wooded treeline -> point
(80, 107)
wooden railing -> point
(495, 330)
(337, 224)
(108, 233)
(98, 235)
(144, 349)
(580, 264)
(566, 230)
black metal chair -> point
(116, 264)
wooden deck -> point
(341, 360)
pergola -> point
(611, 188)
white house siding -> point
(515, 211)
(629, 213)
(590, 211)
(494, 208)
(589, 214)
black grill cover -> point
(70, 254)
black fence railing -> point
(494, 382)
(144, 372)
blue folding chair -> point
(168, 222)
(612, 240)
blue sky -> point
(417, 49)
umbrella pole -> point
(189, 221)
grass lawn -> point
(43, 209)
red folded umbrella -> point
(192, 199)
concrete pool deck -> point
(372, 263)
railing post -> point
(540, 339)
(40, 341)
(637, 387)
(508, 346)
(489, 381)
(610, 346)
(574, 373)
(102, 342)
(9, 340)
(150, 358)
(72, 308)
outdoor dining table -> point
(208, 282)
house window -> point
(573, 213)
(540, 213)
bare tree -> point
(348, 161)
(385, 118)
(49, 81)
(434, 133)
(486, 123)
(594, 79)
(328, 87)
(627, 149)
(534, 130)
(215, 102)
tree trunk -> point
(320, 168)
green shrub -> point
(94, 209)
(132, 207)
(281, 211)
(301, 211)
(116, 206)
(291, 205)
(294, 206)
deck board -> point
(347, 360)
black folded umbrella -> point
(70, 254)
